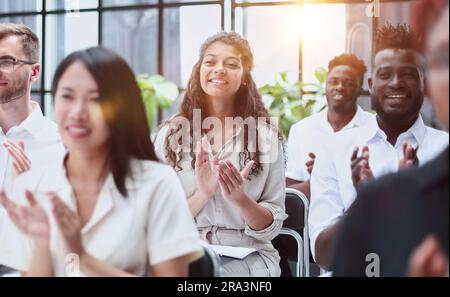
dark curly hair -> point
(389, 36)
(247, 99)
(350, 60)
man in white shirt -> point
(308, 136)
(21, 120)
(396, 137)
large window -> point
(164, 36)
(154, 36)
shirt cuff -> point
(271, 231)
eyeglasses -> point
(9, 65)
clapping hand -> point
(361, 171)
(30, 219)
(409, 156)
(310, 163)
(20, 161)
(205, 170)
(232, 182)
(69, 224)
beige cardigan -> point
(221, 218)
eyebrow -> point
(7, 57)
(214, 56)
(410, 67)
(96, 92)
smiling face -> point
(78, 111)
(343, 87)
(16, 84)
(221, 72)
(397, 85)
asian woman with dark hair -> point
(106, 210)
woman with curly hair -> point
(229, 156)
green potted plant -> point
(292, 101)
(156, 93)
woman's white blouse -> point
(151, 225)
(220, 216)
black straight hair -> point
(122, 108)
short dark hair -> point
(350, 60)
(122, 107)
(29, 40)
(400, 36)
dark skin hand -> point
(361, 171)
(325, 245)
(303, 186)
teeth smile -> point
(217, 81)
(78, 131)
(397, 96)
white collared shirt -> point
(332, 190)
(42, 144)
(152, 225)
(310, 135)
(41, 140)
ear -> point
(35, 72)
(243, 81)
(360, 90)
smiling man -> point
(306, 139)
(403, 217)
(395, 138)
(21, 120)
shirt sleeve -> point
(273, 198)
(296, 157)
(352, 247)
(160, 143)
(16, 248)
(326, 203)
(171, 228)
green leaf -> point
(321, 74)
(283, 76)
(156, 93)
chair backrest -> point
(297, 208)
(206, 266)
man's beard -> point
(14, 93)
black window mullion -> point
(160, 49)
(100, 22)
(43, 38)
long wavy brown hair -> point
(247, 99)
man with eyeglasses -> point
(395, 139)
(27, 139)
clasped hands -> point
(211, 173)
